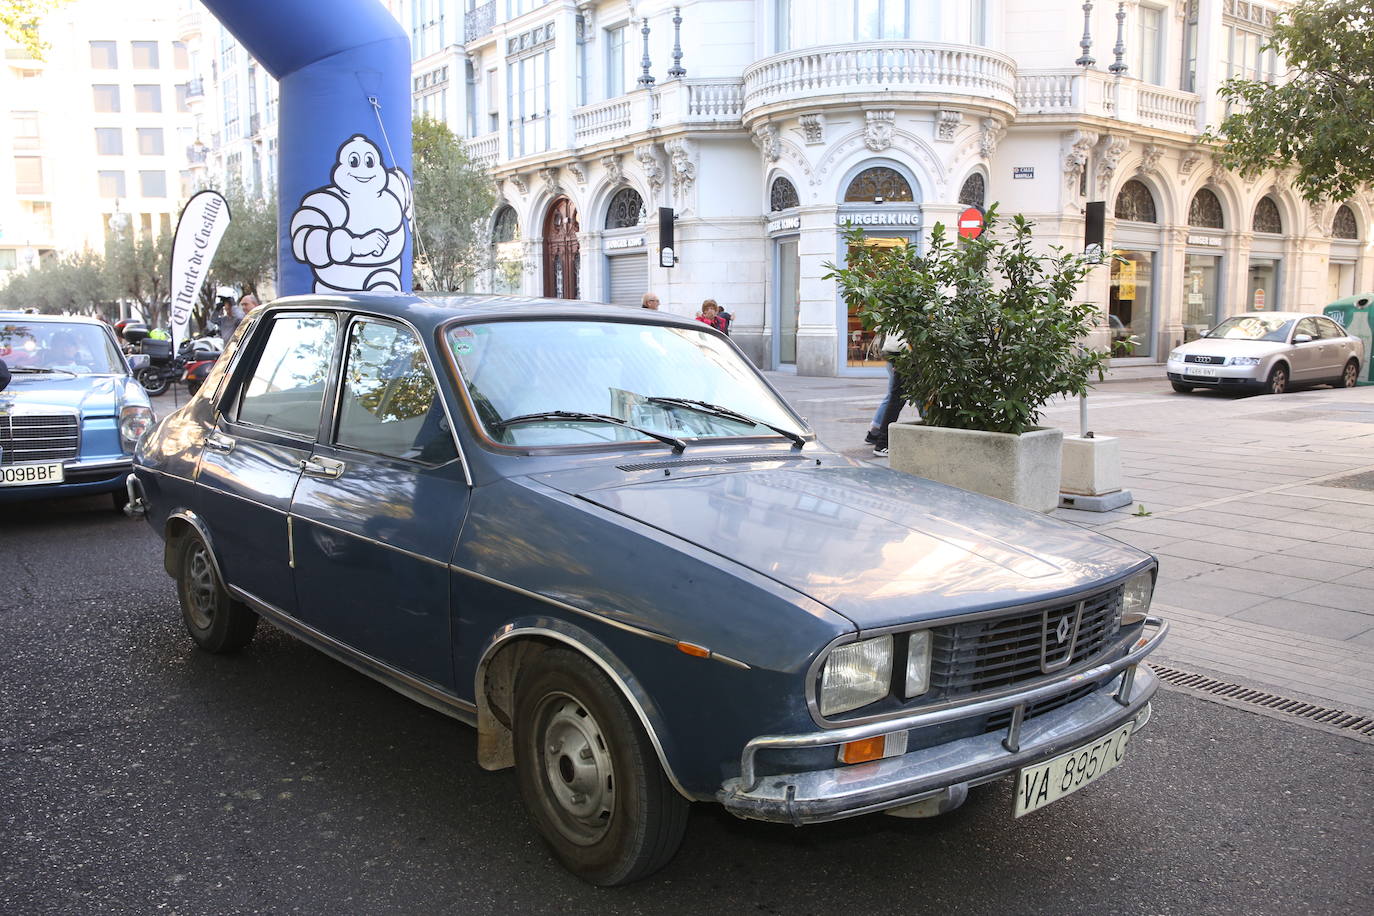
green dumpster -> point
(1353, 314)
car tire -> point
(1350, 375)
(153, 382)
(1277, 383)
(192, 388)
(217, 623)
(590, 780)
(1182, 388)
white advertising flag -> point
(202, 224)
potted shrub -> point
(993, 333)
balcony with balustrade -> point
(893, 72)
(1069, 94)
(484, 150)
(699, 105)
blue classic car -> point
(71, 412)
(599, 535)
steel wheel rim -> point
(200, 588)
(575, 766)
(1351, 372)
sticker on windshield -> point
(461, 340)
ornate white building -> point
(766, 125)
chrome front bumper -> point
(848, 791)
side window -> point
(389, 403)
(1309, 327)
(1330, 330)
(286, 388)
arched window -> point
(627, 209)
(1343, 225)
(1135, 203)
(506, 228)
(878, 184)
(1267, 218)
(782, 196)
(1205, 211)
(974, 190)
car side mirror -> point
(1301, 338)
(138, 361)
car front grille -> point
(1001, 652)
(54, 437)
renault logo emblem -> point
(1061, 634)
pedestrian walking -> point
(710, 314)
(890, 408)
(650, 301)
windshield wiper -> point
(716, 410)
(677, 444)
(14, 370)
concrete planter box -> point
(1022, 469)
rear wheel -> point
(1350, 375)
(153, 382)
(1182, 388)
(588, 775)
(1278, 380)
(215, 621)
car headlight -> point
(133, 423)
(1135, 602)
(856, 674)
(1244, 360)
(917, 663)
(1176, 356)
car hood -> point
(87, 395)
(875, 545)
(1229, 346)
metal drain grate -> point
(1331, 718)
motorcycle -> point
(198, 362)
(164, 367)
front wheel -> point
(1277, 382)
(588, 775)
(153, 381)
(1350, 375)
(215, 621)
(1182, 388)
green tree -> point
(74, 283)
(247, 255)
(1320, 119)
(453, 201)
(19, 19)
(138, 269)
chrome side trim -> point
(837, 736)
(78, 464)
(600, 618)
(353, 534)
(418, 689)
(145, 469)
(480, 679)
(221, 492)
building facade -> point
(94, 135)
(767, 126)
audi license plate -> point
(1039, 785)
(1204, 371)
(21, 475)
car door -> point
(265, 426)
(1307, 357)
(1337, 347)
(380, 505)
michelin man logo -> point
(352, 232)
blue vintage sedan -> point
(599, 535)
(71, 412)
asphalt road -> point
(138, 775)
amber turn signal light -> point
(863, 750)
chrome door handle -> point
(220, 442)
(322, 467)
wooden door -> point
(561, 251)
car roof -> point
(429, 311)
(1285, 316)
(60, 319)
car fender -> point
(170, 541)
(493, 686)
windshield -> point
(1249, 327)
(617, 370)
(52, 346)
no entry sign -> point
(971, 223)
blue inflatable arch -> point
(345, 216)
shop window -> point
(974, 190)
(1205, 211)
(1267, 217)
(782, 196)
(1135, 203)
(1343, 225)
(877, 185)
(506, 227)
(626, 210)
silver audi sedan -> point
(1270, 352)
